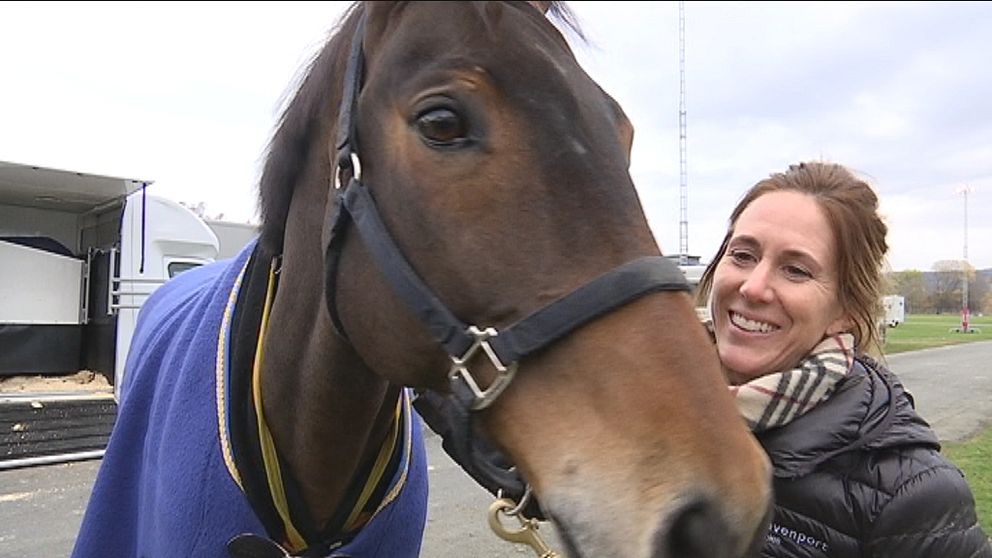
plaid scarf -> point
(778, 398)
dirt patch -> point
(84, 380)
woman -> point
(794, 293)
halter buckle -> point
(459, 368)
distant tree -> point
(912, 286)
(200, 209)
(978, 293)
(946, 293)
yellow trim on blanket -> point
(407, 450)
(401, 428)
(221, 379)
(355, 519)
(272, 470)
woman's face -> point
(775, 290)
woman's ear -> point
(842, 324)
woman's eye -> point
(442, 126)
(796, 272)
(741, 256)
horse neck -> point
(327, 412)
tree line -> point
(940, 291)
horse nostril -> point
(696, 532)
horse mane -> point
(314, 104)
(289, 149)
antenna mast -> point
(965, 311)
(683, 173)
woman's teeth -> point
(750, 325)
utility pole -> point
(683, 173)
(965, 311)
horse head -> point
(451, 163)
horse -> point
(446, 209)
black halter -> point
(451, 416)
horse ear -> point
(377, 15)
(542, 7)
(627, 137)
(375, 10)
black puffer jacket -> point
(861, 476)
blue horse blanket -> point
(167, 486)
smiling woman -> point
(780, 252)
(793, 293)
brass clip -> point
(526, 534)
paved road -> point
(41, 507)
(952, 386)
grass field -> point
(975, 459)
(922, 331)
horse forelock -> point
(556, 10)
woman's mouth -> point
(751, 326)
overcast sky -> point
(186, 95)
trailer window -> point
(175, 268)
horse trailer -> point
(894, 307)
(79, 254)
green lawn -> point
(975, 459)
(922, 331)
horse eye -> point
(442, 127)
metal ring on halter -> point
(356, 170)
(482, 398)
(520, 506)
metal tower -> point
(965, 310)
(683, 173)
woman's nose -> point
(756, 286)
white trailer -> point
(894, 307)
(79, 254)
(232, 236)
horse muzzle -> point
(694, 529)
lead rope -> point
(527, 533)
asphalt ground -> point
(41, 507)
